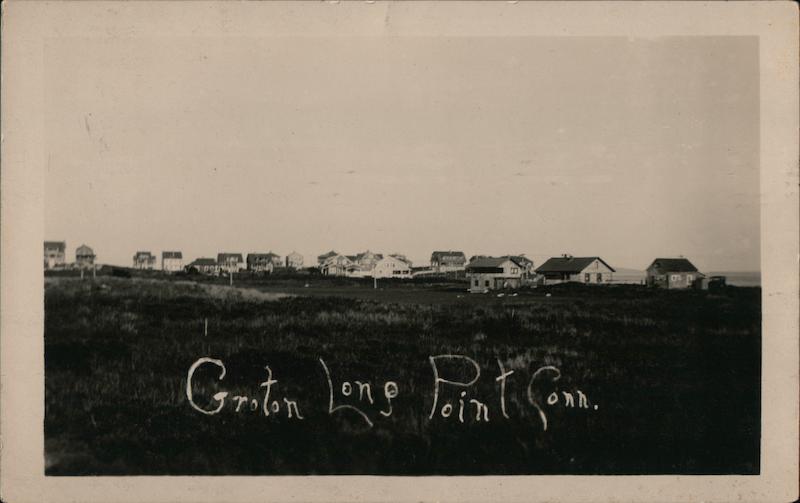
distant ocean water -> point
(739, 278)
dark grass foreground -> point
(674, 375)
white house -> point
(144, 260)
(392, 266)
(294, 261)
(171, 261)
(338, 265)
(230, 262)
(365, 262)
(448, 261)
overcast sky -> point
(624, 148)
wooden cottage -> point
(566, 268)
(673, 273)
(493, 273)
(393, 266)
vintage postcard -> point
(399, 251)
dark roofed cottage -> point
(673, 273)
(566, 268)
(204, 266)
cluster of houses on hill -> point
(264, 263)
(171, 261)
(55, 256)
(484, 273)
(366, 264)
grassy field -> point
(671, 379)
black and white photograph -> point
(401, 254)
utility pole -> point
(230, 275)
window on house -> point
(599, 277)
(689, 278)
(486, 283)
(587, 277)
(475, 283)
(675, 277)
(514, 270)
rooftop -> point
(569, 264)
(665, 265)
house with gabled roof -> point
(366, 261)
(448, 261)
(263, 262)
(566, 268)
(525, 263)
(230, 262)
(392, 266)
(325, 256)
(294, 261)
(338, 265)
(673, 273)
(493, 273)
(203, 266)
